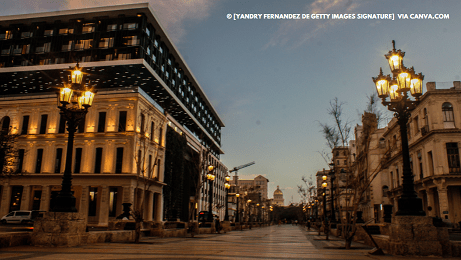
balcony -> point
(424, 130)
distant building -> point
(278, 197)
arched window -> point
(5, 125)
(448, 118)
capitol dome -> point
(278, 191)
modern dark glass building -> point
(119, 47)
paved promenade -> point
(275, 242)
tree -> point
(306, 191)
(9, 153)
(147, 161)
(357, 184)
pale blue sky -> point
(271, 80)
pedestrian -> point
(218, 225)
(308, 225)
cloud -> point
(174, 15)
(297, 32)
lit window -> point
(130, 26)
(112, 27)
(88, 28)
(66, 31)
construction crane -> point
(241, 167)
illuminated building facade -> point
(122, 49)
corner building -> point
(144, 88)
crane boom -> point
(241, 166)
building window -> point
(44, 47)
(47, 33)
(78, 160)
(62, 124)
(25, 125)
(448, 118)
(130, 26)
(81, 125)
(143, 119)
(160, 137)
(124, 56)
(150, 166)
(7, 35)
(415, 119)
(67, 46)
(66, 31)
(84, 44)
(113, 202)
(20, 160)
(420, 160)
(88, 28)
(38, 162)
(152, 131)
(119, 160)
(122, 121)
(57, 164)
(43, 123)
(112, 27)
(92, 202)
(453, 157)
(98, 160)
(130, 40)
(102, 122)
(106, 42)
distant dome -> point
(278, 191)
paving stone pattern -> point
(275, 242)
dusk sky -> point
(271, 81)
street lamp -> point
(210, 176)
(227, 186)
(325, 221)
(74, 99)
(332, 191)
(403, 80)
(237, 219)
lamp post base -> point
(410, 207)
(64, 204)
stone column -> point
(46, 197)
(430, 202)
(149, 206)
(104, 207)
(83, 208)
(158, 198)
(6, 199)
(25, 199)
(128, 194)
(443, 202)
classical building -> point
(258, 184)
(278, 197)
(367, 150)
(434, 140)
(105, 167)
(124, 53)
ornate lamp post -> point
(237, 219)
(210, 176)
(325, 218)
(332, 179)
(397, 87)
(74, 99)
(227, 186)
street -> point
(274, 242)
